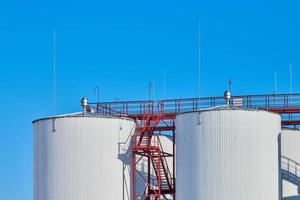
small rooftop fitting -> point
(84, 104)
(227, 94)
(227, 97)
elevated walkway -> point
(290, 171)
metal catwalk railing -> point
(288, 105)
(173, 106)
(290, 170)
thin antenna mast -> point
(153, 88)
(96, 92)
(54, 71)
(291, 82)
(150, 90)
(291, 78)
(165, 84)
(275, 82)
(229, 84)
(199, 59)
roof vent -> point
(84, 104)
(227, 97)
(227, 93)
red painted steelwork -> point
(156, 117)
(146, 145)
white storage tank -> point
(290, 152)
(227, 155)
(80, 157)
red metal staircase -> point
(147, 145)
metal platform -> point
(157, 117)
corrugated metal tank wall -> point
(290, 148)
(227, 154)
(84, 157)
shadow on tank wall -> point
(292, 198)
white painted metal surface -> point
(227, 154)
(289, 190)
(290, 148)
(82, 158)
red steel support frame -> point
(146, 144)
(157, 117)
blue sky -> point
(122, 45)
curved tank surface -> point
(80, 157)
(227, 154)
(290, 163)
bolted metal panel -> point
(290, 152)
(84, 157)
(227, 154)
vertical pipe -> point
(174, 164)
(158, 175)
(279, 168)
(149, 175)
(133, 169)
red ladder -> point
(147, 145)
